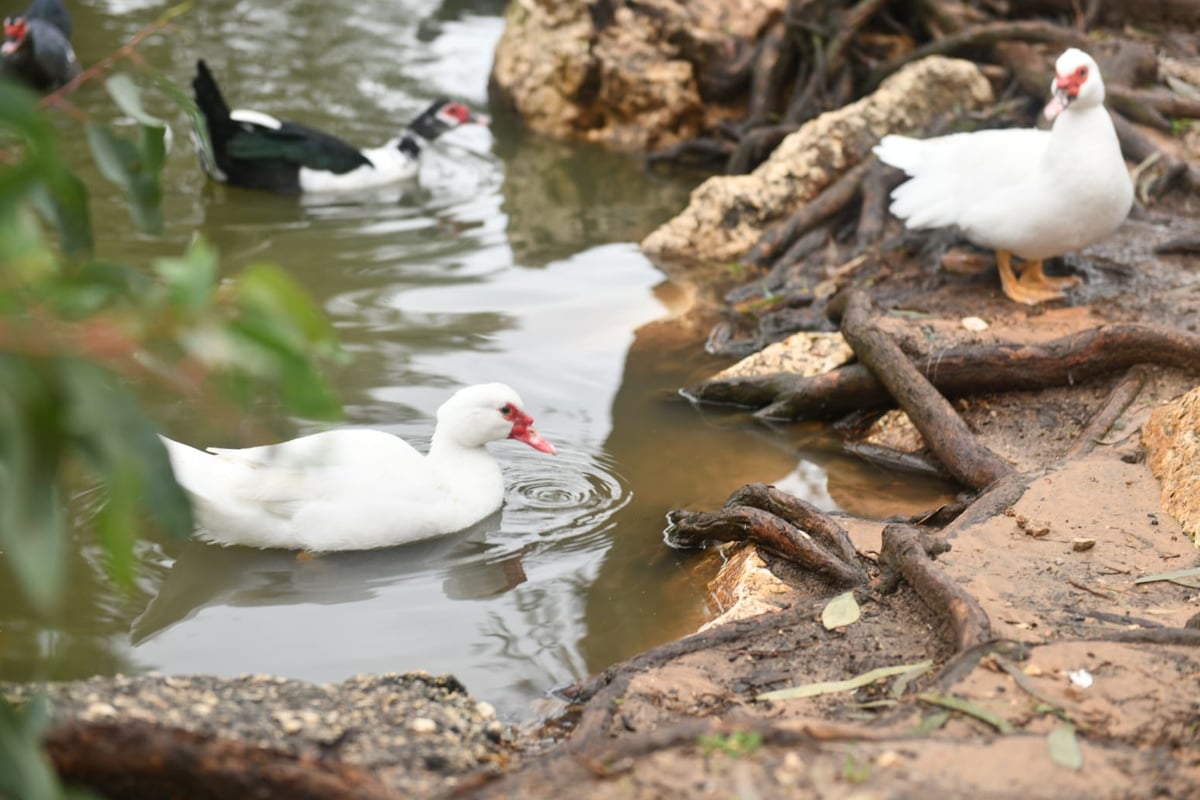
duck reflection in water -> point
(207, 576)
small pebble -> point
(1080, 544)
(99, 711)
(422, 725)
(289, 722)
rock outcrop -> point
(627, 75)
(1172, 440)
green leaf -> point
(18, 110)
(23, 250)
(1178, 576)
(191, 278)
(153, 130)
(127, 166)
(62, 198)
(268, 289)
(303, 389)
(100, 285)
(833, 687)
(841, 611)
(17, 181)
(25, 773)
(931, 723)
(967, 707)
(33, 534)
(281, 330)
(40, 174)
(117, 520)
(126, 94)
(108, 427)
(900, 685)
(1064, 747)
(188, 106)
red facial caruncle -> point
(15, 28)
(1072, 82)
(522, 429)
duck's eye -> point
(506, 409)
(1082, 72)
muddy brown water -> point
(511, 259)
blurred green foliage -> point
(76, 333)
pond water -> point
(511, 258)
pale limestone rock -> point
(625, 75)
(744, 587)
(728, 214)
(1172, 440)
(895, 431)
(802, 353)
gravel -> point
(415, 732)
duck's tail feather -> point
(211, 139)
(195, 470)
(926, 199)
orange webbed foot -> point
(1034, 286)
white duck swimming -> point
(357, 489)
(1027, 192)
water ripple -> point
(571, 502)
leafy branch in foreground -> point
(74, 330)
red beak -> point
(523, 431)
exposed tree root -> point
(617, 756)
(1189, 637)
(984, 34)
(942, 428)
(835, 197)
(964, 369)
(600, 694)
(831, 60)
(905, 554)
(736, 523)
(1119, 399)
(803, 515)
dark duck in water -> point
(254, 150)
(37, 46)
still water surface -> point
(511, 259)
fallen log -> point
(143, 761)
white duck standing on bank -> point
(357, 489)
(1028, 192)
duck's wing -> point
(261, 137)
(950, 174)
(283, 479)
(52, 53)
(340, 449)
